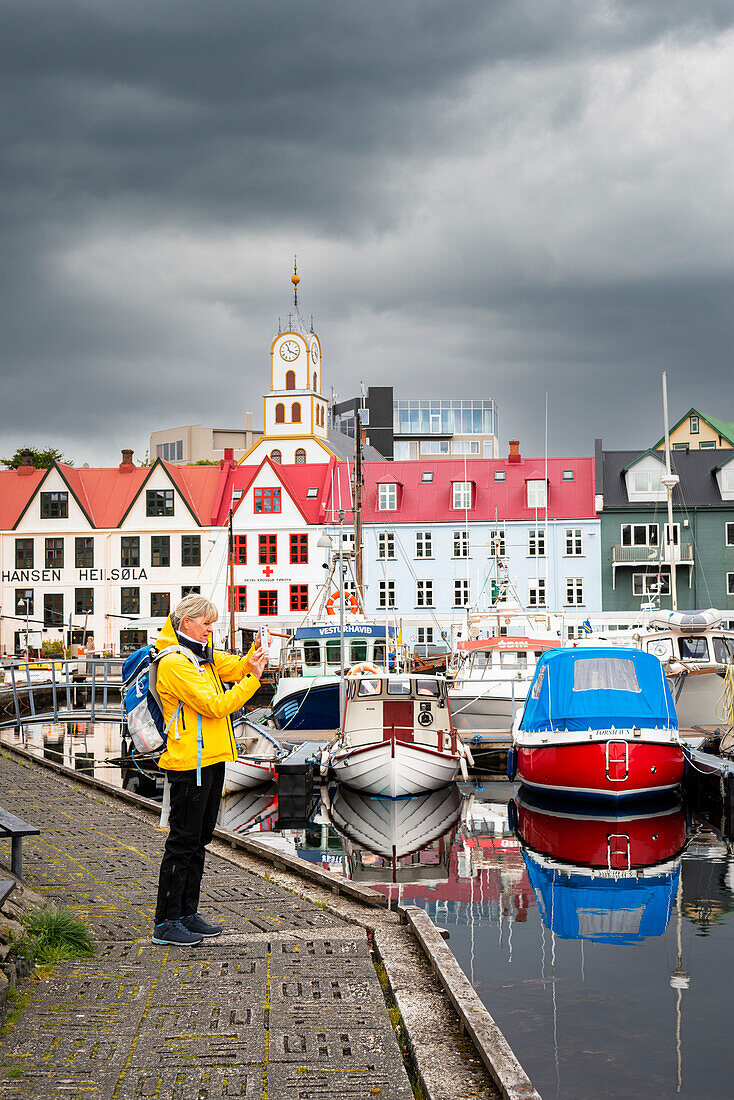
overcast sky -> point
(487, 198)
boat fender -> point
(468, 755)
(364, 668)
(511, 763)
(464, 769)
(512, 814)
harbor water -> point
(602, 943)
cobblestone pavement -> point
(285, 1004)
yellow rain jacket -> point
(201, 691)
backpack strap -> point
(174, 719)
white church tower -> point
(296, 415)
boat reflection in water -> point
(396, 840)
(249, 811)
(602, 872)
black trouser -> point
(191, 822)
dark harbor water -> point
(602, 942)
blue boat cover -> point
(598, 688)
(577, 906)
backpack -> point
(142, 712)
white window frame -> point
(390, 594)
(574, 537)
(500, 475)
(387, 496)
(424, 544)
(462, 592)
(676, 534)
(537, 592)
(461, 494)
(729, 540)
(574, 591)
(424, 593)
(424, 635)
(537, 493)
(695, 430)
(730, 584)
(536, 542)
(649, 527)
(460, 543)
(497, 543)
(386, 546)
(648, 584)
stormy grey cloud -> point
(486, 198)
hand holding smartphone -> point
(265, 641)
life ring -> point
(364, 668)
(349, 599)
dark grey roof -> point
(343, 447)
(698, 486)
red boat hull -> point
(602, 769)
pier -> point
(315, 988)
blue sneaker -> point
(201, 927)
(173, 932)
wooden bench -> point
(12, 826)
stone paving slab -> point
(286, 1005)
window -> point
(299, 597)
(84, 552)
(290, 379)
(54, 553)
(435, 447)
(707, 445)
(160, 605)
(386, 546)
(574, 591)
(311, 653)
(639, 534)
(536, 542)
(276, 455)
(83, 601)
(427, 476)
(607, 674)
(461, 593)
(190, 590)
(130, 551)
(24, 553)
(646, 481)
(536, 592)
(651, 584)
(694, 425)
(567, 475)
(730, 584)
(54, 505)
(190, 549)
(387, 496)
(160, 550)
(170, 452)
(497, 543)
(24, 601)
(53, 609)
(424, 544)
(296, 412)
(676, 533)
(267, 601)
(130, 601)
(348, 541)
(461, 494)
(267, 501)
(240, 597)
(574, 542)
(537, 494)
(729, 534)
(280, 413)
(461, 544)
(424, 635)
(390, 594)
(424, 593)
(239, 550)
(300, 456)
(357, 652)
(315, 382)
(159, 502)
(267, 549)
(499, 475)
(299, 549)
(680, 447)
(465, 447)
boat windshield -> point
(369, 686)
(724, 650)
(333, 652)
(311, 653)
(695, 649)
(398, 686)
(427, 687)
(513, 658)
(357, 652)
(605, 674)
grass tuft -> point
(52, 936)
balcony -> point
(648, 556)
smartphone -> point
(265, 640)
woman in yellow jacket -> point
(200, 695)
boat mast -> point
(357, 502)
(669, 480)
(231, 585)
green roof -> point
(723, 428)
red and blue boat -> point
(598, 723)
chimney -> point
(514, 455)
(228, 461)
(127, 460)
(26, 463)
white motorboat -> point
(257, 757)
(398, 738)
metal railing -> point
(79, 689)
(652, 555)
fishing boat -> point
(598, 722)
(397, 737)
(608, 874)
(258, 754)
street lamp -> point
(23, 604)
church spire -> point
(295, 280)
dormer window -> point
(694, 425)
(537, 493)
(461, 494)
(387, 496)
(567, 475)
(499, 475)
(54, 505)
(427, 476)
(312, 493)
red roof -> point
(15, 492)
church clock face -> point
(314, 354)
(289, 350)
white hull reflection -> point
(394, 768)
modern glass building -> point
(445, 426)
